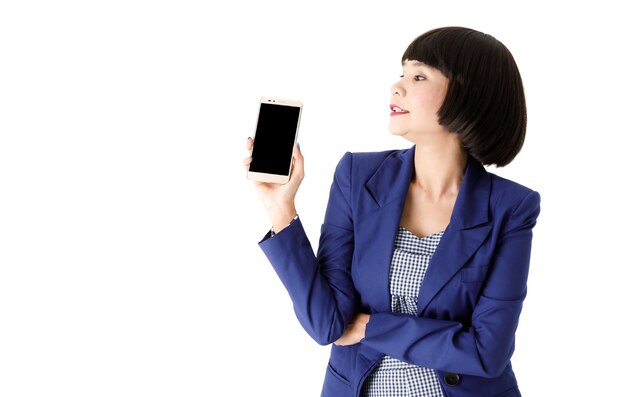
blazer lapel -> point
(381, 208)
(380, 213)
(469, 227)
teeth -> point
(397, 109)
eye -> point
(419, 78)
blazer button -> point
(451, 379)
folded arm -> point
(485, 346)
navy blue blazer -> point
(471, 296)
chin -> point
(397, 131)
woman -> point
(423, 255)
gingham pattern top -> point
(392, 377)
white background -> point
(129, 263)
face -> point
(415, 100)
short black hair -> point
(485, 102)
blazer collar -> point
(472, 204)
(392, 179)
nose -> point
(396, 89)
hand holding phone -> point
(276, 134)
(279, 200)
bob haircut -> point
(485, 102)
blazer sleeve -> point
(484, 348)
(321, 286)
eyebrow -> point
(416, 63)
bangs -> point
(444, 49)
(422, 50)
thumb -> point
(298, 161)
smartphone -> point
(276, 134)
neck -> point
(439, 167)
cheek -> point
(429, 106)
(428, 101)
(435, 100)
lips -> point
(397, 110)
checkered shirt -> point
(392, 377)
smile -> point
(397, 110)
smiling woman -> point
(418, 96)
(423, 256)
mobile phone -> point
(276, 134)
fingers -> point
(344, 339)
(298, 161)
(249, 144)
(296, 151)
(353, 334)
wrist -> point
(273, 231)
(281, 218)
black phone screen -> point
(274, 139)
